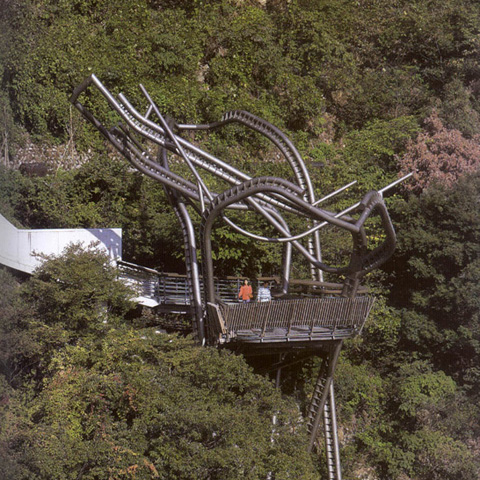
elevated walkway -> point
(170, 291)
(304, 318)
(20, 248)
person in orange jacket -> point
(245, 294)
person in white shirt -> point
(264, 294)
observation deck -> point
(294, 320)
(299, 317)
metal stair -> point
(331, 437)
(319, 397)
(323, 406)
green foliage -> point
(18, 344)
(380, 141)
(439, 457)
(162, 402)
(13, 421)
(79, 291)
(10, 193)
(101, 37)
(360, 390)
(457, 108)
(71, 297)
(103, 192)
(438, 246)
(397, 421)
(235, 254)
(381, 335)
(421, 391)
(286, 63)
(111, 401)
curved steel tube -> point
(191, 261)
(262, 195)
(290, 153)
(361, 260)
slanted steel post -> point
(322, 390)
(331, 436)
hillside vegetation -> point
(366, 90)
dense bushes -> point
(83, 394)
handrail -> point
(304, 319)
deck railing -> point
(298, 319)
(172, 288)
(322, 317)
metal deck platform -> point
(298, 320)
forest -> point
(367, 90)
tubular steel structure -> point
(314, 326)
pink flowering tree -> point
(439, 155)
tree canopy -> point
(109, 400)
